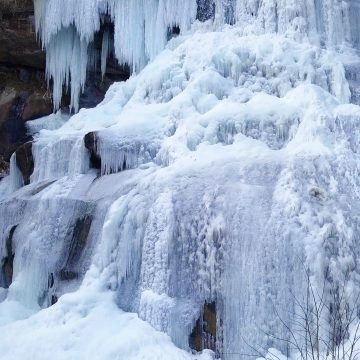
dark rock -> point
(173, 32)
(8, 262)
(51, 281)
(37, 105)
(19, 46)
(67, 275)
(54, 299)
(80, 235)
(90, 141)
(25, 161)
(203, 335)
(23, 89)
(77, 246)
(12, 128)
(4, 167)
(24, 93)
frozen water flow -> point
(141, 29)
(16, 178)
(224, 167)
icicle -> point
(16, 178)
(66, 64)
(54, 160)
(141, 28)
(140, 34)
(79, 158)
(120, 156)
(104, 51)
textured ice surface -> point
(241, 169)
(142, 28)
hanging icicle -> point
(142, 27)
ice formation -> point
(142, 28)
(216, 175)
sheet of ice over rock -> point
(215, 175)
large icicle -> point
(141, 28)
(66, 60)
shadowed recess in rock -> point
(76, 248)
(7, 262)
(203, 336)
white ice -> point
(242, 168)
(141, 29)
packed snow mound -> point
(86, 325)
(142, 29)
(214, 176)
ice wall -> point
(142, 28)
(216, 175)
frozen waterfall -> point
(182, 217)
(142, 28)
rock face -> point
(19, 45)
(90, 141)
(76, 248)
(23, 89)
(24, 92)
(25, 161)
(7, 263)
(204, 334)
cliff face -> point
(24, 94)
(23, 89)
(19, 45)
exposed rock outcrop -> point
(6, 274)
(24, 92)
(90, 141)
(23, 89)
(25, 161)
(203, 335)
(4, 167)
(77, 246)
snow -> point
(67, 331)
(228, 164)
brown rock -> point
(4, 167)
(25, 161)
(24, 93)
(17, 105)
(23, 89)
(90, 141)
(8, 261)
(19, 46)
(37, 105)
(12, 128)
(203, 335)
